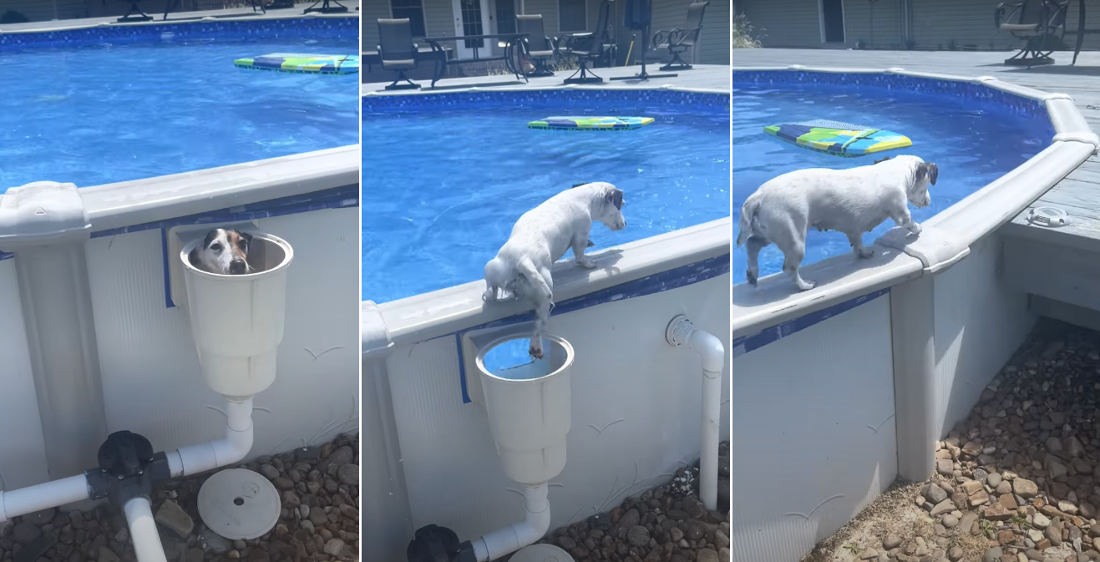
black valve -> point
(128, 468)
(433, 543)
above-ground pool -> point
(974, 134)
(447, 175)
(107, 104)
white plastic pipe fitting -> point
(42, 496)
(504, 541)
(681, 332)
(143, 530)
(194, 459)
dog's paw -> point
(751, 277)
(864, 253)
(804, 285)
(535, 350)
(586, 263)
(914, 228)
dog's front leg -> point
(579, 244)
(856, 240)
(905, 220)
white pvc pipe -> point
(194, 459)
(42, 496)
(502, 542)
(143, 530)
(682, 332)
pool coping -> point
(447, 311)
(945, 238)
(628, 87)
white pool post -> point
(681, 332)
(45, 225)
(912, 331)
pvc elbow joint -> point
(509, 539)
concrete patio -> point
(702, 76)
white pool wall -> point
(149, 371)
(827, 416)
(635, 399)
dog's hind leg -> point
(856, 240)
(542, 293)
(752, 248)
(792, 258)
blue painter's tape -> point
(745, 344)
(657, 283)
(6, 255)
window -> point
(571, 15)
(413, 10)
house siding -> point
(373, 11)
(936, 24)
(40, 10)
(783, 23)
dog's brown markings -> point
(239, 242)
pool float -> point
(840, 139)
(290, 62)
(582, 123)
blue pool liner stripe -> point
(899, 84)
(745, 344)
(634, 99)
(657, 283)
(336, 28)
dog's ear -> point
(929, 170)
(193, 257)
(578, 185)
(615, 197)
(210, 236)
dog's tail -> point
(748, 214)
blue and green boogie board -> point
(290, 62)
(840, 139)
(583, 123)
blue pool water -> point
(105, 105)
(973, 141)
(446, 176)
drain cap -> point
(1048, 216)
(239, 504)
(541, 553)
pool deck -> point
(701, 77)
(1057, 266)
(228, 13)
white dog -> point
(224, 251)
(851, 201)
(540, 237)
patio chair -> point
(397, 50)
(1040, 23)
(326, 8)
(135, 8)
(587, 47)
(537, 45)
(678, 40)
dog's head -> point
(223, 251)
(609, 210)
(923, 175)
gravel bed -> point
(1017, 480)
(666, 523)
(319, 488)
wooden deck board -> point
(1078, 194)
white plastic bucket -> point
(237, 320)
(530, 413)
